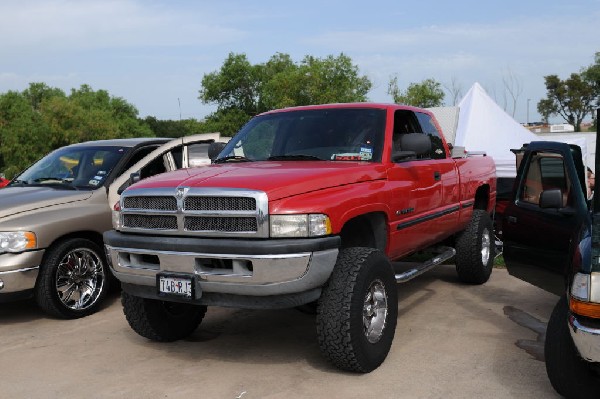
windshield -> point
(342, 134)
(72, 167)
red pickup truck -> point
(306, 205)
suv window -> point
(545, 171)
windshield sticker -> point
(346, 157)
(101, 172)
(94, 182)
(366, 153)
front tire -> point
(570, 375)
(161, 321)
(475, 249)
(73, 279)
(358, 310)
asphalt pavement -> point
(452, 341)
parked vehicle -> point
(305, 206)
(548, 242)
(53, 214)
(3, 181)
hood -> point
(277, 179)
(19, 199)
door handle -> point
(437, 176)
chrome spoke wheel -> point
(79, 279)
(375, 310)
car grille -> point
(193, 211)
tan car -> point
(53, 214)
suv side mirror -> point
(214, 149)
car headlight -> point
(303, 225)
(17, 241)
(580, 288)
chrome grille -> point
(205, 203)
(156, 222)
(162, 203)
(206, 212)
(229, 224)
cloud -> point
(72, 25)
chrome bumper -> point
(18, 272)
(255, 275)
(586, 339)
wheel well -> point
(482, 197)
(369, 230)
(89, 235)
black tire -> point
(73, 279)
(570, 375)
(161, 321)
(341, 328)
(475, 249)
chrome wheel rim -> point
(79, 279)
(375, 311)
(486, 241)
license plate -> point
(179, 286)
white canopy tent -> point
(484, 126)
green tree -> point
(241, 90)
(571, 98)
(41, 119)
(591, 74)
(426, 94)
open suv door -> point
(548, 242)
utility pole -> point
(529, 99)
(179, 102)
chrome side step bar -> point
(442, 254)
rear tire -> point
(475, 249)
(160, 320)
(358, 310)
(570, 375)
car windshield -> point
(79, 167)
(340, 134)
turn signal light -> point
(587, 309)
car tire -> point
(161, 321)
(357, 311)
(475, 249)
(569, 374)
(73, 279)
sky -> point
(154, 53)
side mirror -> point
(412, 145)
(551, 199)
(214, 149)
(133, 178)
(418, 142)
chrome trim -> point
(182, 192)
(586, 339)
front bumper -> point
(18, 272)
(586, 338)
(225, 267)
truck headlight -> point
(17, 241)
(303, 225)
(581, 302)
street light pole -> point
(529, 99)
